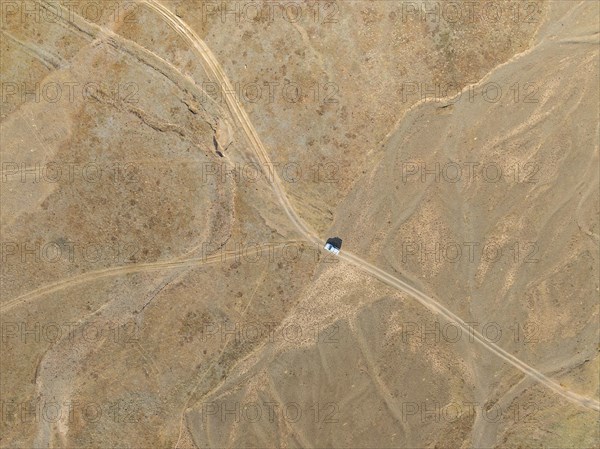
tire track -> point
(115, 271)
(243, 120)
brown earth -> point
(155, 293)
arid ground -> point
(172, 168)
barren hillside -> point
(172, 169)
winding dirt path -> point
(244, 122)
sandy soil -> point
(170, 169)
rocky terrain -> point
(156, 292)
